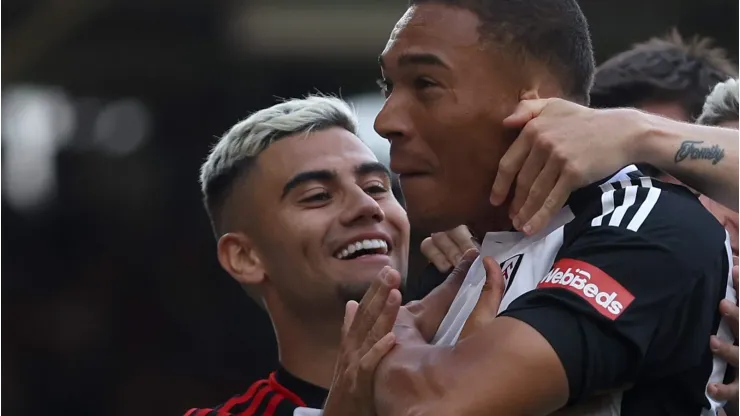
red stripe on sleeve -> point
(191, 412)
(273, 404)
(244, 397)
(258, 398)
(285, 392)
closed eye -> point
(319, 197)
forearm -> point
(478, 376)
(703, 157)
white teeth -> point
(363, 245)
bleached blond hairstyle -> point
(721, 104)
(237, 150)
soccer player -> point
(305, 218)
(615, 298)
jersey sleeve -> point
(633, 293)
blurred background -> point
(113, 302)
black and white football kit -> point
(624, 284)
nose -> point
(393, 122)
(361, 209)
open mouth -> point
(362, 248)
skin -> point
(441, 89)
(429, 109)
(303, 286)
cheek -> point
(297, 237)
(398, 220)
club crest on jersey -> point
(509, 267)
(589, 282)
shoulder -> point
(645, 209)
(261, 398)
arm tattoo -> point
(693, 150)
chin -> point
(427, 221)
(352, 291)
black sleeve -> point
(633, 293)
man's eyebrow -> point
(407, 59)
(308, 176)
(372, 167)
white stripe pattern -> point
(630, 195)
(607, 206)
(644, 210)
(630, 198)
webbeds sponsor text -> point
(589, 282)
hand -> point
(425, 315)
(562, 146)
(415, 327)
(446, 248)
(490, 299)
(727, 351)
(366, 339)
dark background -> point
(113, 302)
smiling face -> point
(446, 97)
(324, 220)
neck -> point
(493, 219)
(308, 348)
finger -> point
(730, 312)
(735, 260)
(370, 309)
(552, 205)
(445, 244)
(524, 112)
(434, 255)
(488, 304)
(538, 192)
(723, 392)
(430, 310)
(734, 276)
(724, 350)
(384, 324)
(495, 284)
(462, 238)
(350, 309)
(525, 178)
(369, 362)
(508, 167)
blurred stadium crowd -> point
(114, 302)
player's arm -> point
(480, 375)
(703, 157)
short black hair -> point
(665, 69)
(554, 32)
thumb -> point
(524, 112)
(431, 310)
(493, 289)
(490, 298)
